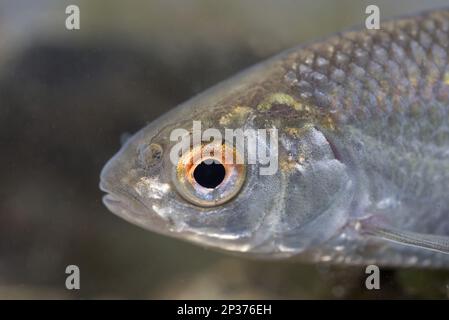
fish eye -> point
(206, 177)
(209, 173)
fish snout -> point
(118, 182)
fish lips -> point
(124, 204)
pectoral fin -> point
(425, 241)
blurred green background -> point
(67, 96)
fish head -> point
(294, 199)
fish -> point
(361, 154)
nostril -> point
(150, 155)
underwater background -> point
(66, 98)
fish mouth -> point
(132, 209)
(113, 199)
(112, 203)
(110, 200)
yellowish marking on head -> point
(306, 111)
(237, 115)
(298, 132)
(280, 98)
(287, 165)
(328, 122)
(290, 164)
(294, 132)
(446, 78)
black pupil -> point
(209, 174)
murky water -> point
(66, 97)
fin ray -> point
(425, 241)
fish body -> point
(363, 154)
